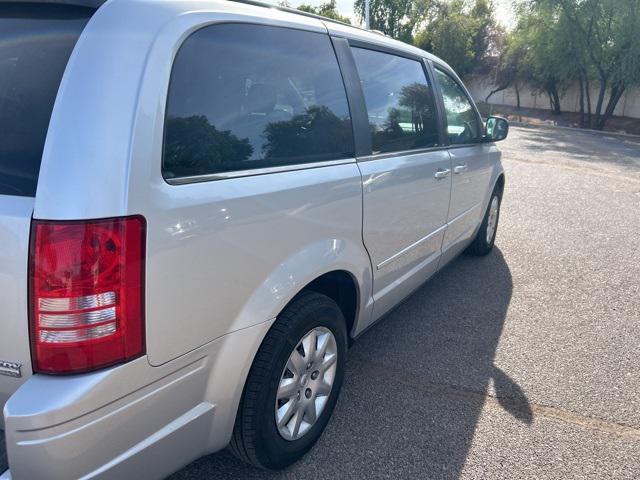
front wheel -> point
(293, 384)
(486, 236)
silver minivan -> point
(202, 205)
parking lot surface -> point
(521, 364)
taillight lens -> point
(86, 293)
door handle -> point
(442, 173)
(460, 168)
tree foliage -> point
(537, 53)
(327, 9)
(461, 32)
(416, 97)
(395, 18)
(560, 43)
(194, 146)
(511, 70)
(607, 31)
(556, 44)
(316, 132)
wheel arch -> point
(338, 268)
(341, 287)
(350, 282)
(500, 182)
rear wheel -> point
(293, 384)
(486, 236)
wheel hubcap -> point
(306, 383)
(492, 222)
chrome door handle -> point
(442, 173)
(460, 169)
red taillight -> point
(86, 293)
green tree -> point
(544, 52)
(512, 70)
(463, 33)
(395, 18)
(558, 43)
(328, 10)
(451, 37)
(194, 146)
(575, 65)
(607, 31)
(317, 131)
(417, 98)
(487, 34)
(546, 58)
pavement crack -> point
(592, 423)
(518, 407)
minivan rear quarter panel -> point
(238, 249)
(209, 272)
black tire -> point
(256, 439)
(480, 246)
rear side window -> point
(35, 44)
(247, 96)
(400, 105)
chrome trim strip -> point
(466, 212)
(76, 303)
(466, 145)
(80, 319)
(410, 247)
(403, 153)
(256, 172)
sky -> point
(504, 9)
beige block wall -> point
(628, 106)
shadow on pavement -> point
(416, 384)
(579, 145)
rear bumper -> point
(130, 421)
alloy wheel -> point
(306, 383)
(492, 221)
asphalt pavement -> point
(521, 364)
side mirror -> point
(496, 129)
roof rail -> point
(258, 3)
(78, 3)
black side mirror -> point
(496, 129)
